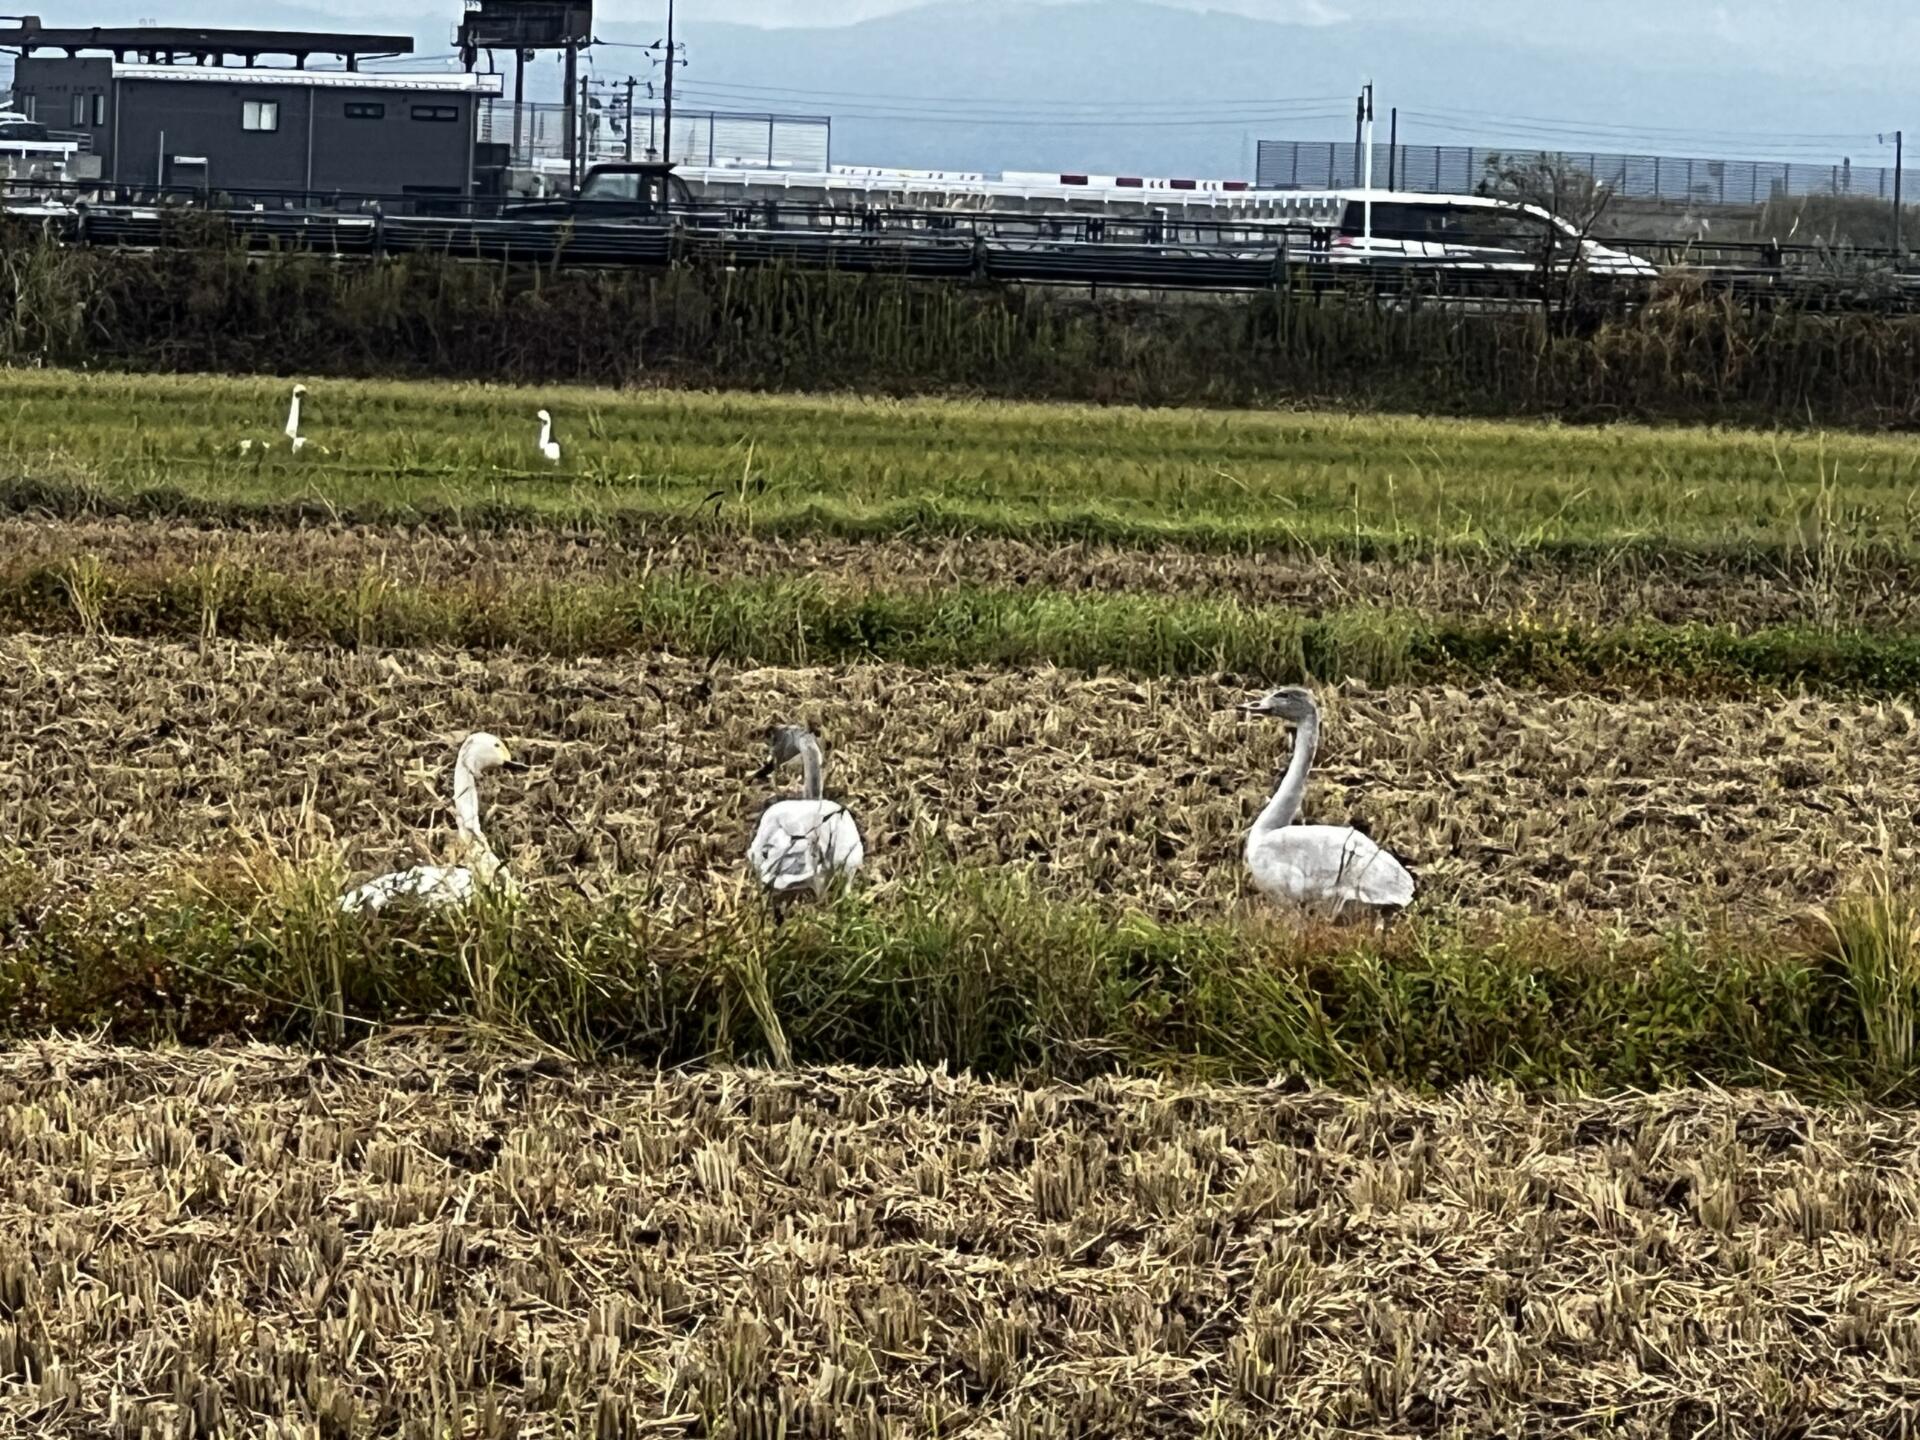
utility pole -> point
(1393, 148)
(1359, 121)
(667, 53)
(586, 110)
(519, 103)
(1899, 158)
(1366, 183)
(632, 84)
(570, 89)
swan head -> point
(1290, 703)
(298, 391)
(543, 417)
(483, 752)
(787, 742)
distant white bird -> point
(294, 437)
(806, 844)
(1327, 867)
(441, 885)
(295, 440)
(549, 447)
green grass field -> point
(872, 467)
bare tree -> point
(1563, 189)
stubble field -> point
(415, 1243)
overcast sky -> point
(1784, 31)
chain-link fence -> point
(1460, 169)
(700, 137)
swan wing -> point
(431, 885)
(801, 844)
(1328, 865)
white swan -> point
(549, 447)
(805, 844)
(1315, 866)
(295, 439)
(443, 885)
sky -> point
(1773, 79)
(1777, 33)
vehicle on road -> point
(617, 191)
(1468, 232)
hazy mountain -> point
(991, 84)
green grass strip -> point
(800, 623)
(983, 974)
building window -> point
(436, 112)
(260, 115)
(365, 110)
(79, 109)
(99, 110)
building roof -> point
(459, 82)
(156, 40)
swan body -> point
(443, 886)
(804, 845)
(549, 447)
(1316, 867)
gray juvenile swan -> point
(804, 844)
(1328, 867)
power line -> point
(1603, 127)
(1035, 122)
(1582, 140)
(1264, 103)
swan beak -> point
(1249, 707)
(517, 767)
(765, 772)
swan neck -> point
(293, 417)
(812, 763)
(466, 805)
(1284, 808)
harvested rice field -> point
(415, 1242)
(1053, 1125)
(121, 760)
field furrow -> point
(1547, 587)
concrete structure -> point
(248, 128)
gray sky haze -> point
(1188, 86)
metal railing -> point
(536, 135)
(1221, 255)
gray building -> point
(250, 128)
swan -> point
(441, 885)
(295, 439)
(1315, 866)
(549, 447)
(803, 844)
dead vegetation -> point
(122, 759)
(1599, 587)
(414, 1243)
